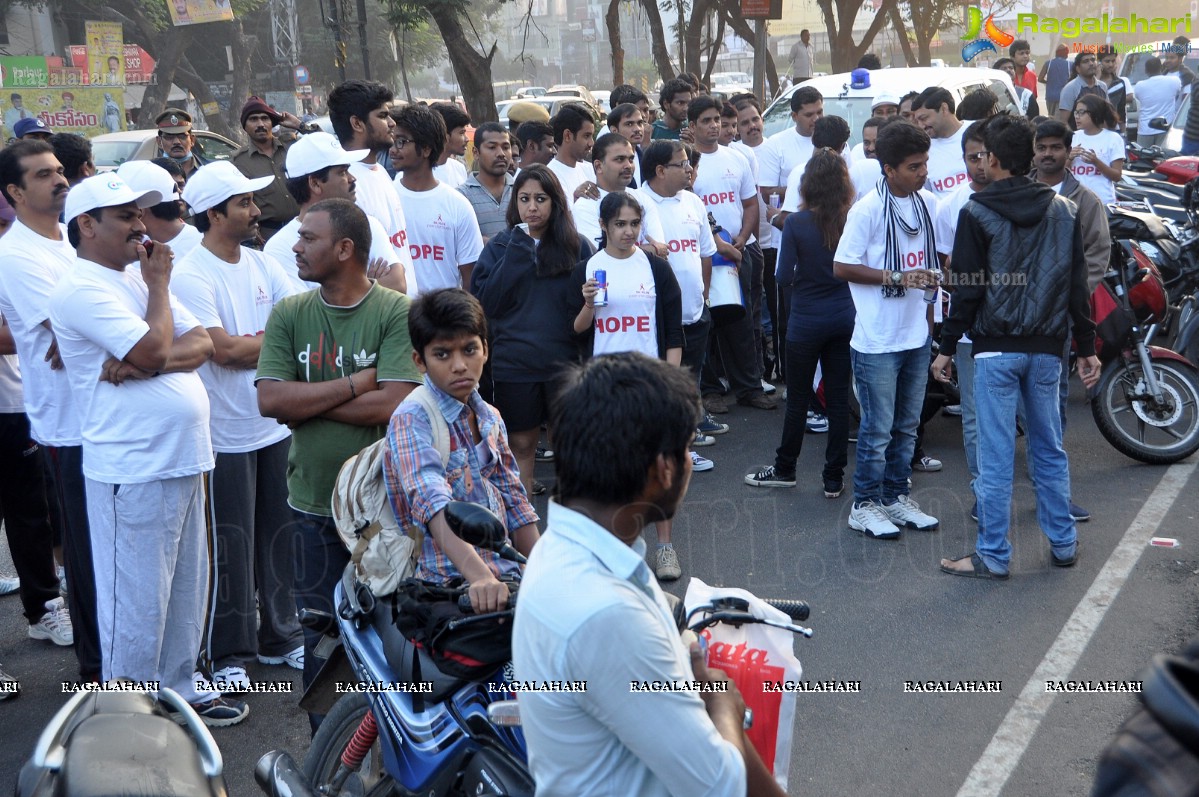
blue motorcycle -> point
(395, 722)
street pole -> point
(366, 58)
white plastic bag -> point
(753, 656)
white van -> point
(853, 105)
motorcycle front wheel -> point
(1135, 425)
(324, 756)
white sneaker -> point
(55, 624)
(906, 512)
(294, 659)
(231, 679)
(817, 423)
(870, 519)
(953, 409)
(666, 564)
(61, 572)
(9, 585)
(767, 388)
(700, 464)
(927, 465)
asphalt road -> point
(883, 614)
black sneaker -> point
(833, 488)
(769, 477)
(218, 713)
(1078, 514)
(543, 455)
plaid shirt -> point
(419, 487)
(490, 213)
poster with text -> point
(193, 12)
(85, 110)
(105, 53)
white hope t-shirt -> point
(630, 320)
(238, 298)
(946, 168)
(884, 324)
(572, 178)
(451, 173)
(689, 239)
(443, 234)
(724, 180)
(143, 430)
(1109, 148)
(377, 197)
(586, 212)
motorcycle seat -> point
(1129, 224)
(409, 663)
(127, 747)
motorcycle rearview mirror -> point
(1160, 123)
(479, 526)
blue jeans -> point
(999, 382)
(891, 388)
(964, 360)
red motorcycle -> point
(1147, 401)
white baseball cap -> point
(146, 176)
(105, 191)
(215, 182)
(884, 99)
(317, 151)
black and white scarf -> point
(896, 223)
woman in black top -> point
(523, 280)
(820, 324)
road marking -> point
(1003, 754)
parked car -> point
(110, 150)
(1133, 68)
(529, 91)
(552, 104)
(731, 82)
(573, 90)
(853, 105)
(601, 101)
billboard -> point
(193, 12)
(105, 53)
(23, 71)
(139, 66)
(79, 109)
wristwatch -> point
(896, 277)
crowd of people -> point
(268, 317)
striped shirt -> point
(490, 213)
(419, 486)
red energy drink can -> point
(601, 297)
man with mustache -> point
(176, 140)
(131, 351)
(34, 256)
(263, 157)
(231, 290)
(164, 221)
(490, 191)
(615, 162)
(318, 168)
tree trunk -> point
(737, 22)
(404, 62)
(714, 53)
(190, 79)
(171, 44)
(658, 39)
(692, 35)
(838, 21)
(901, 31)
(243, 51)
(680, 32)
(612, 20)
(472, 68)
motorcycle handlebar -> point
(796, 610)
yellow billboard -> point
(85, 110)
(105, 53)
(193, 12)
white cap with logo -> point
(146, 176)
(317, 151)
(215, 182)
(105, 191)
(885, 98)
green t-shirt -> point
(660, 130)
(309, 341)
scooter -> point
(1146, 403)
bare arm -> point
(188, 351)
(706, 270)
(487, 593)
(7, 344)
(524, 538)
(153, 351)
(674, 356)
(465, 270)
(749, 221)
(371, 407)
(290, 402)
(240, 352)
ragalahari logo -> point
(991, 35)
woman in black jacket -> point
(523, 280)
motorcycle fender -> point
(320, 696)
(1162, 353)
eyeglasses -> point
(174, 136)
(400, 143)
(975, 157)
(1081, 112)
(679, 165)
